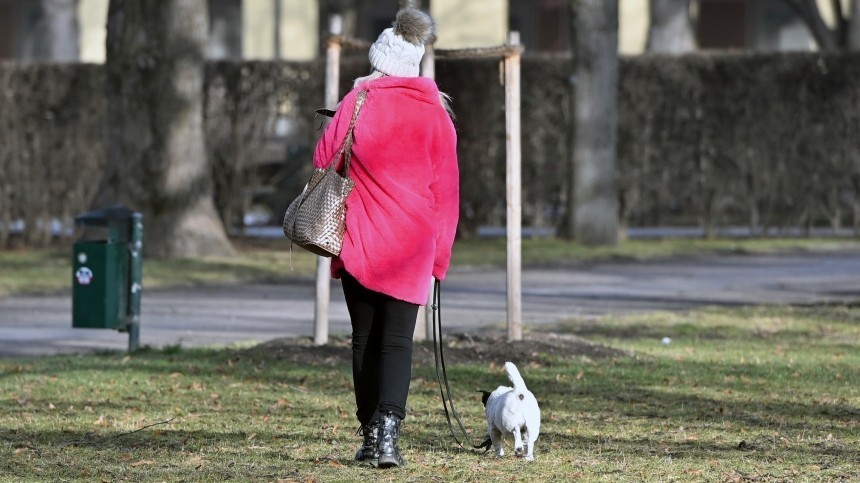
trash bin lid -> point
(107, 216)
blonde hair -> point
(444, 99)
(375, 74)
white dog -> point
(512, 410)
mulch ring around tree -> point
(488, 346)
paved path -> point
(37, 325)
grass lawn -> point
(750, 394)
(27, 271)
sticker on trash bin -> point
(84, 276)
(82, 258)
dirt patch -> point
(545, 348)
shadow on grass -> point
(153, 437)
(122, 454)
(695, 450)
(756, 394)
(692, 331)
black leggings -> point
(382, 329)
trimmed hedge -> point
(51, 144)
(764, 140)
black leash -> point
(440, 362)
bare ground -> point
(491, 346)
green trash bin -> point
(106, 272)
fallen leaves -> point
(22, 450)
(329, 460)
(282, 403)
(198, 462)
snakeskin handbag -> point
(316, 219)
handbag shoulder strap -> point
(346, 147)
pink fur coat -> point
(401, 217)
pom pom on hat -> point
(398, 50)
(415, 26)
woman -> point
(401, 219)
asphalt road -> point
(471, 299)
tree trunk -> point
(155, 150)
(671, 28)
(854, 26)
(592, 209)
(856, 209)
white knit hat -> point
(398, 50)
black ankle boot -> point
(369, 450)
(389, 431)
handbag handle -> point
(346, 147)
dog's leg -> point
(518, 441)
(498, 442)
(530, 445)
(526, 441)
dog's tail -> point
(516, 379)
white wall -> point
(92, 27)
(633, 19)
(298, 29)
(472, 23)
(258, 29)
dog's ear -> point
(485, 396)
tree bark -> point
(155, 149)
(593, 204)
(854, 26)
(671, 28)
